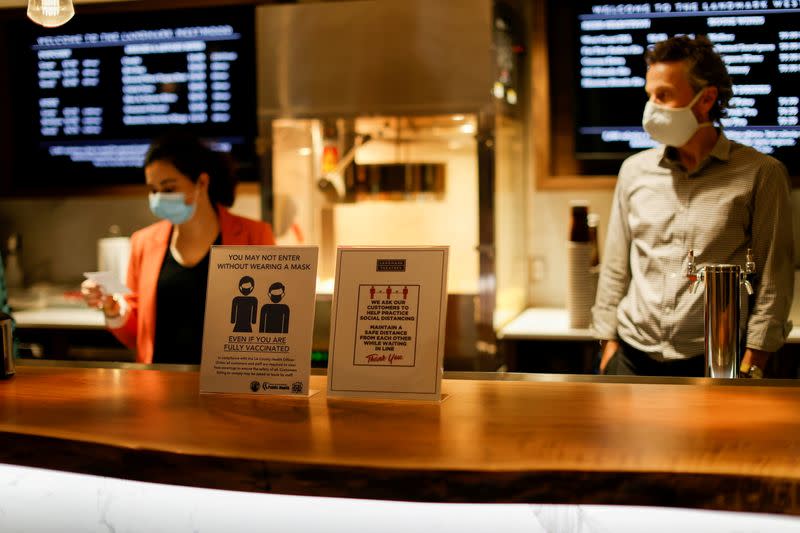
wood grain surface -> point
(719, 447)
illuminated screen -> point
(95, 92)
(758, 40)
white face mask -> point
(673, 126)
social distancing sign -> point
(388, 322)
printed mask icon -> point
(276, 291)
(246, 285)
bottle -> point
(14, 276)
(579, 226)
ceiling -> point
(22, 3)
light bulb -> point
(50, 13)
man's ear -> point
(707, 101)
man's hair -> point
(705, 67)
(247, 279)
(275, 286)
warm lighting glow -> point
(498, 90)
(468, 128)
(305, 151)
(324, 285)
(457, 118)
(50, 13)
(511, 96)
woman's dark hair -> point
(191, 157)
(706, 67)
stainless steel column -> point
(722, 297)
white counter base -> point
(45, 500)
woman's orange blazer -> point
(148, 249)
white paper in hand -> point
(108, 281)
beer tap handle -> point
(749, 269)
(692, 274)
(750, 264)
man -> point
(697, 191)
(275, 316)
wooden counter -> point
(690, 443)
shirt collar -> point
(668, 157)
(721, 150)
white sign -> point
(388, 323)
(259, 319)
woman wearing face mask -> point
(190, 189)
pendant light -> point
(50, 13)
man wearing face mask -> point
(190, 189)
(275, 316)
(697, 191)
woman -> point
(190, 188)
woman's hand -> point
(94, 296)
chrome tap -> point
(696, 275)
(749, 268)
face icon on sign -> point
(276, 292)
(246, 285)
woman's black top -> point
(180, 311)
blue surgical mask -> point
(172, 206)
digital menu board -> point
(759, 41)
(93, 94)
